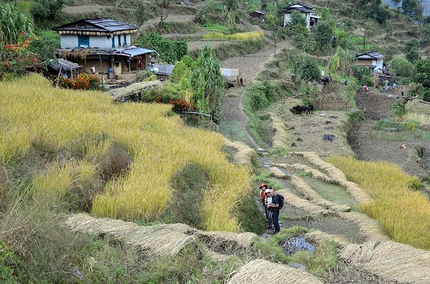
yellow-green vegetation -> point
(158, 144)
(398, 206)
(232, 37)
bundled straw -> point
(319, 236)
(263, 271)
(307, 192)
(162, 239)
(280, 138)
(277, 173)
(244, 153)
(315, 173)
(297, 202)
(391, 261)
(315, 160)
(369, 228)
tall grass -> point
(85, 125)
(404, 212)
(237, 36)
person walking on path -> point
(274, 208)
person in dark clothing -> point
(274, 208)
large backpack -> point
(281, 201)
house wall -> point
(71, 41)
(379, 65)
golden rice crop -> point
(159, 146)
(403, 212)
(237, 36)
(245, 36)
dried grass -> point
(280, 138)
(307, 192)
(319, 237)
(162, 239)
(359, 195)
(136, 88)
(297, 202)
(369, 228)
(391, 261)
(315, 173)
(263, 271)
(277, 173)
(243, 153)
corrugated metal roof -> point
(137, 51)
(96, 25)
(370, 55)
(65, 65)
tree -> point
(231, 5)
(207, 82)
(323, 34)
(402, 67)
(46, 9)
(297, 24)
(412, 8)
(163, 5)
(140, 15)
(412, 50)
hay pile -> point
(308, 193)
(133, 89)
(281, 138)
(300, 203)
(391, 261)
(336, 176)
(315, 173)
(277, 173)
(263, 271)
(243, 153)
(315, 160)
(158, 240)
(226, 242)
(319, 236)
(162, 239)
(369, 228)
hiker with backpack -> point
(274, 207)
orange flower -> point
(6, 64)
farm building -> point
(257, 14)
(103, 46)
(371, 59)
(307, 12)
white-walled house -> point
(102, 45)
(306, 10)
(96, 33)
(371, 59)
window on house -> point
(125, 40)
(119, 40)
(113, 42)
(83, 41)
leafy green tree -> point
(379, 13)
(297, 24)
(412, 8)
(46, 9)
(207, 82)
(45, 45)
(140, 14)
(308, 70)
(170, 51)
(325, 14)
(412, 50)
(12, 23)
(422, 71)
(402, 67)
(323, 34)
(303, 42)
(231, 5)
(163, 5)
